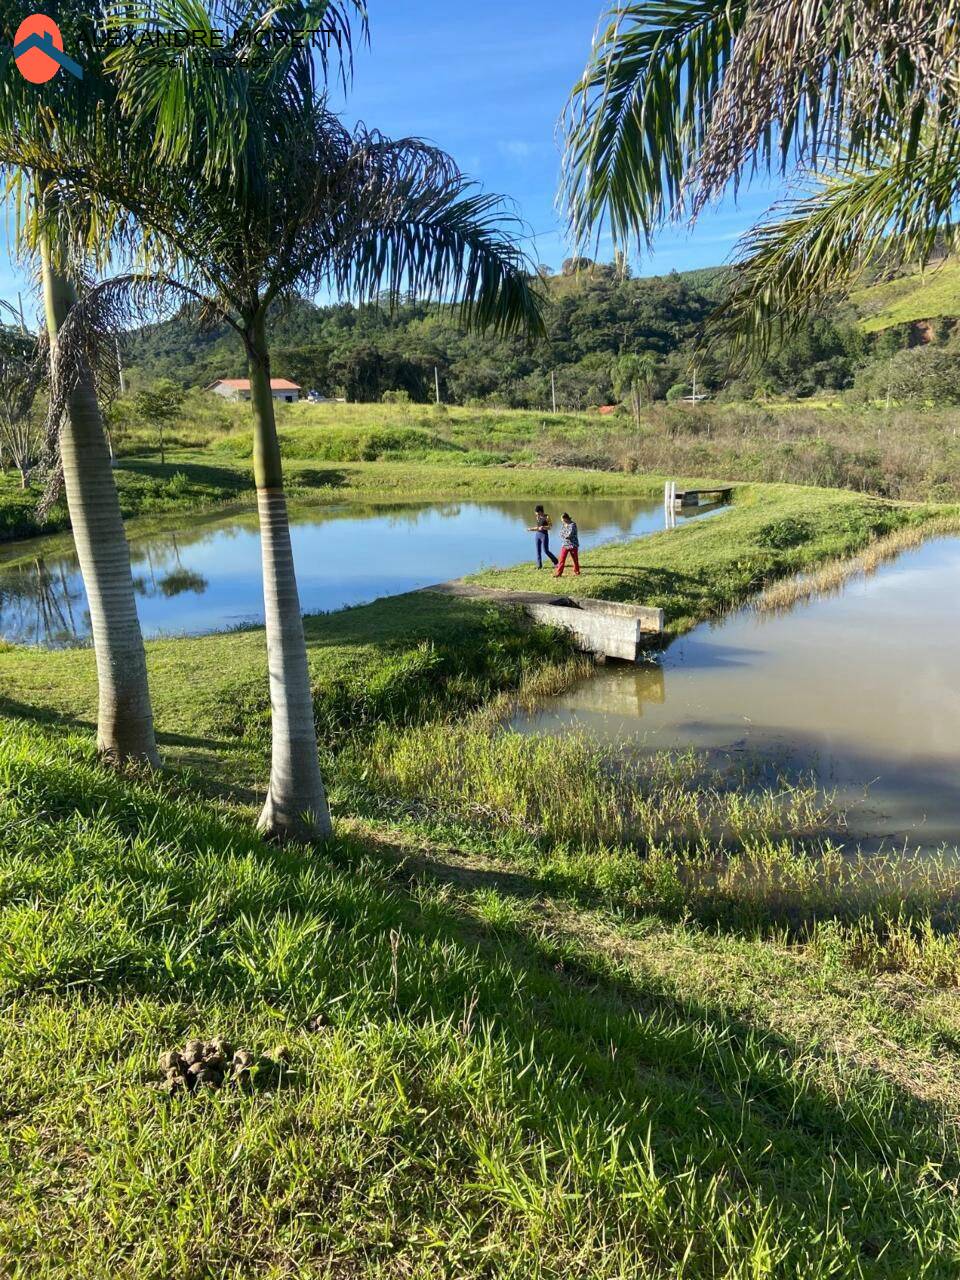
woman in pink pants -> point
(570, 544)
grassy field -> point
(705, 567)
(574, 1020)
(507, 1080)
(922, 296)
(368, 451)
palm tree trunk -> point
(124, 718)
(296, 803)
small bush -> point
(780, 535)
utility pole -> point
(436, 381)
(123, 383)
(553, 388)
(23, 323)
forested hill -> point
(593, 317)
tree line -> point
(597, 320)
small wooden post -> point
(670, 503)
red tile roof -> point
(243, 384)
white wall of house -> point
(284, 394)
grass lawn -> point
(507, 1084)
(550, 1045)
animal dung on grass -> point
(215, 1064)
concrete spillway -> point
(604, 627)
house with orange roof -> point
(239, 389)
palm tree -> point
(27, 116)
(53, 231)
(683, 98)
(125, 717)
(242, 210)
(53, 124)
(633, 375)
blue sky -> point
(487, 82)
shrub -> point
(783, 534)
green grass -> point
(584, 1020)
(192, 483)
(507, 1086)
(369, 452)
(922, 296)
(707, 566)
(373, 663)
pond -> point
(860, 689)
(203, 574)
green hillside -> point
(919, 296)
(593, 316)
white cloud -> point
(517, 149)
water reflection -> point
(861, 688)
(43, 604)
(205, 576)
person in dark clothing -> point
(570, 546)
(542, 530)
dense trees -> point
(592, 320)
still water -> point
(205, 575)
(861, 689)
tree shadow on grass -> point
(617, 1060)
(317, 477)
(41, 715)
(231, 481)
(678, 594)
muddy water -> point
(197, 575)
(862, 689)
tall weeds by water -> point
(669, 834)
(831, 577)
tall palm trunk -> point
(296, 804)
(124, 719)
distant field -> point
(360, 451)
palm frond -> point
(681, 98)
(209, 104)
(818, 246)
(85, 346)
(419, 229)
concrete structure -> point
(700, 497)
(239, 389)
(604, 627)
